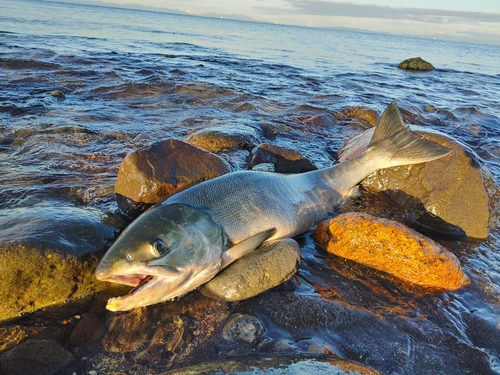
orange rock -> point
(392, 248)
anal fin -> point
(244, 247)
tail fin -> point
(398, 141)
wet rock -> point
(265, 268)
(242, 328)
(49, 255)
(361, 116)
(166, 334)
(260, 365)
(85, 330)
(415, 63)
(264, 167)
(57, 94)
(11, 336)
(150, 175)
(245, 107)
(392, 248)
(458, 188)
(37, 357)
(215, 139)
(323, 120)
(285, 160)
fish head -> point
(166, 252)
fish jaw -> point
(150, 292)
(151, 284)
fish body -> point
(184, 241)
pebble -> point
(243, 329)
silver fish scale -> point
(248, 202)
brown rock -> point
(215, 139)
(150, 175)
(285, 160)
(458, 188)
(267, 267)
(323, 120)
(392, 248)
(359, 115)
(416, 63)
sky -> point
(462, 20)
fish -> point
(184, 241)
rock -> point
(265, 268)
(242, 328)
(261, 365)
(150, 175)
(264, 167)
(49, 256)
(458, 188)
(416, 63)
(393, 248)
(11, 336)
(362, 116)
(285, 160)
(215, 139)
(37, 357)
(323, 120)
(85, 330)
(57, 94)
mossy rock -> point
(416, 63)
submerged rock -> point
(150, 175)
(458, 188)
(215, 139)
(392, 248)
(261, 365)
(242, 328)
(49, 256)
(284, 159)
(35, 357)
(416, 63)
(265, 268)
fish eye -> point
(129, 257)
(158, 247)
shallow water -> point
(82, 86)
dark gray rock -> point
(35, 357)
(243, 328)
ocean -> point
(81, 86)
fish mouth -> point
(149, 288)
(151, 285)
(132, 280)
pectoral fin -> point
(242, 248)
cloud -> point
(341, 9)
